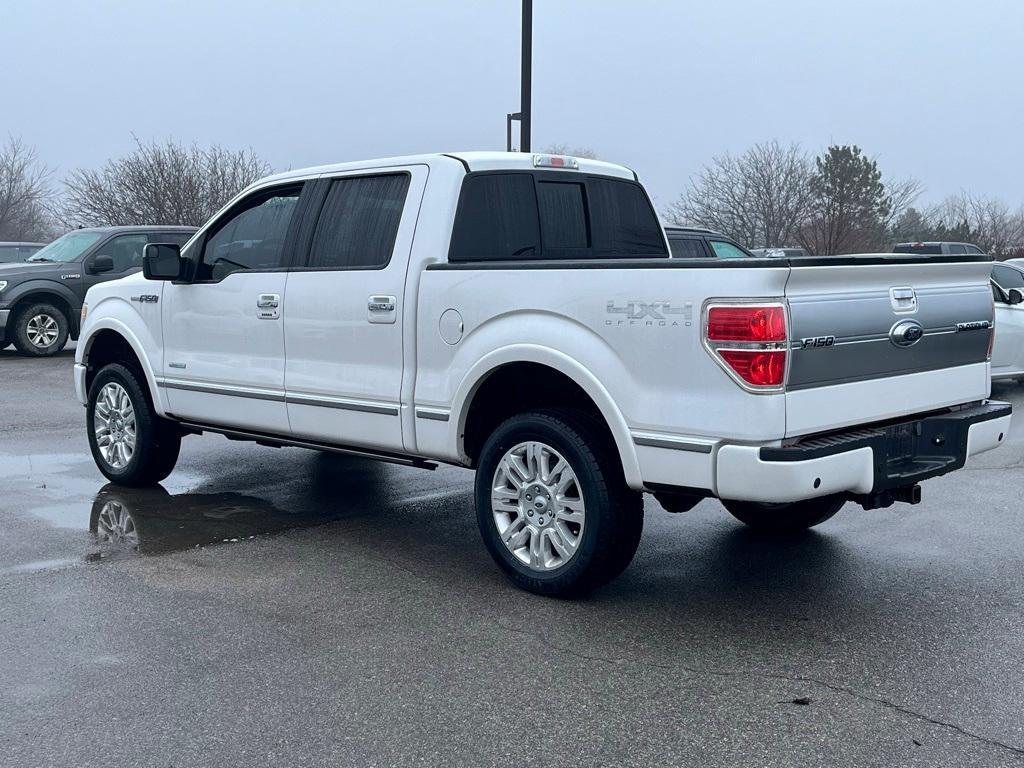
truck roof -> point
(931, 242)
(140, 228)
(696, 230)
(472, 161)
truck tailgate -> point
(873, 338)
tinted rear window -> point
(623, 221)
(563, 216)
(497, 219)
(509, 216)
(687, 248)
(922, 249)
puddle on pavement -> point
(153, 521)
(302, 490)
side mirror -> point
(162, 261)
(1015, 296)
(101, 264)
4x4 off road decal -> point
(650, 314)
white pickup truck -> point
(521, 315)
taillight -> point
(750, 341)
(746, 324)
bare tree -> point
(160, 184)
(987, 222)
(25, 193)
(761, 197)
(565, 149)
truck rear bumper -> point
(861, 462)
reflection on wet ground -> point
(300, 490)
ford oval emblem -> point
(906, 333)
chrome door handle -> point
(381, 309)
(268, 306)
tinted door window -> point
(497, 219)
(622, 220)
(177, 238)
(563, 218)
(724, 250)
(974, 249)
(1008, 277)
(957, 248)
(359, 222)
(10, 253)
(251, 236)
(687, 248)
(125, 251)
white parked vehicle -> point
(1008, 293)
(521, 315)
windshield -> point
(67, 248)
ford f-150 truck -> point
(522, 315)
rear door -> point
(872, 339)
(1008, 350)
(344, 328)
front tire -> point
(553, 507)
(41, 330)
(130, 443)
(785, 518)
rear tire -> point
(41, 330)
(550, 483)
(130, 443)
(785, 518)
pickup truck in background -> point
(522, 315)
(41, 296)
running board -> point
(279, 441)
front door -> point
(223, 331)
(346, 305)
(125, 251)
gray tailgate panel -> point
(861, 323)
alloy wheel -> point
(114, 425)
(43, 330)
(537, 504)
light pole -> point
(524, 114)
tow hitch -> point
(907, 494)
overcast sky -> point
(933, 89)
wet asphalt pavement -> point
(279, 607)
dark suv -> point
(41, 298)
(699, 243)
